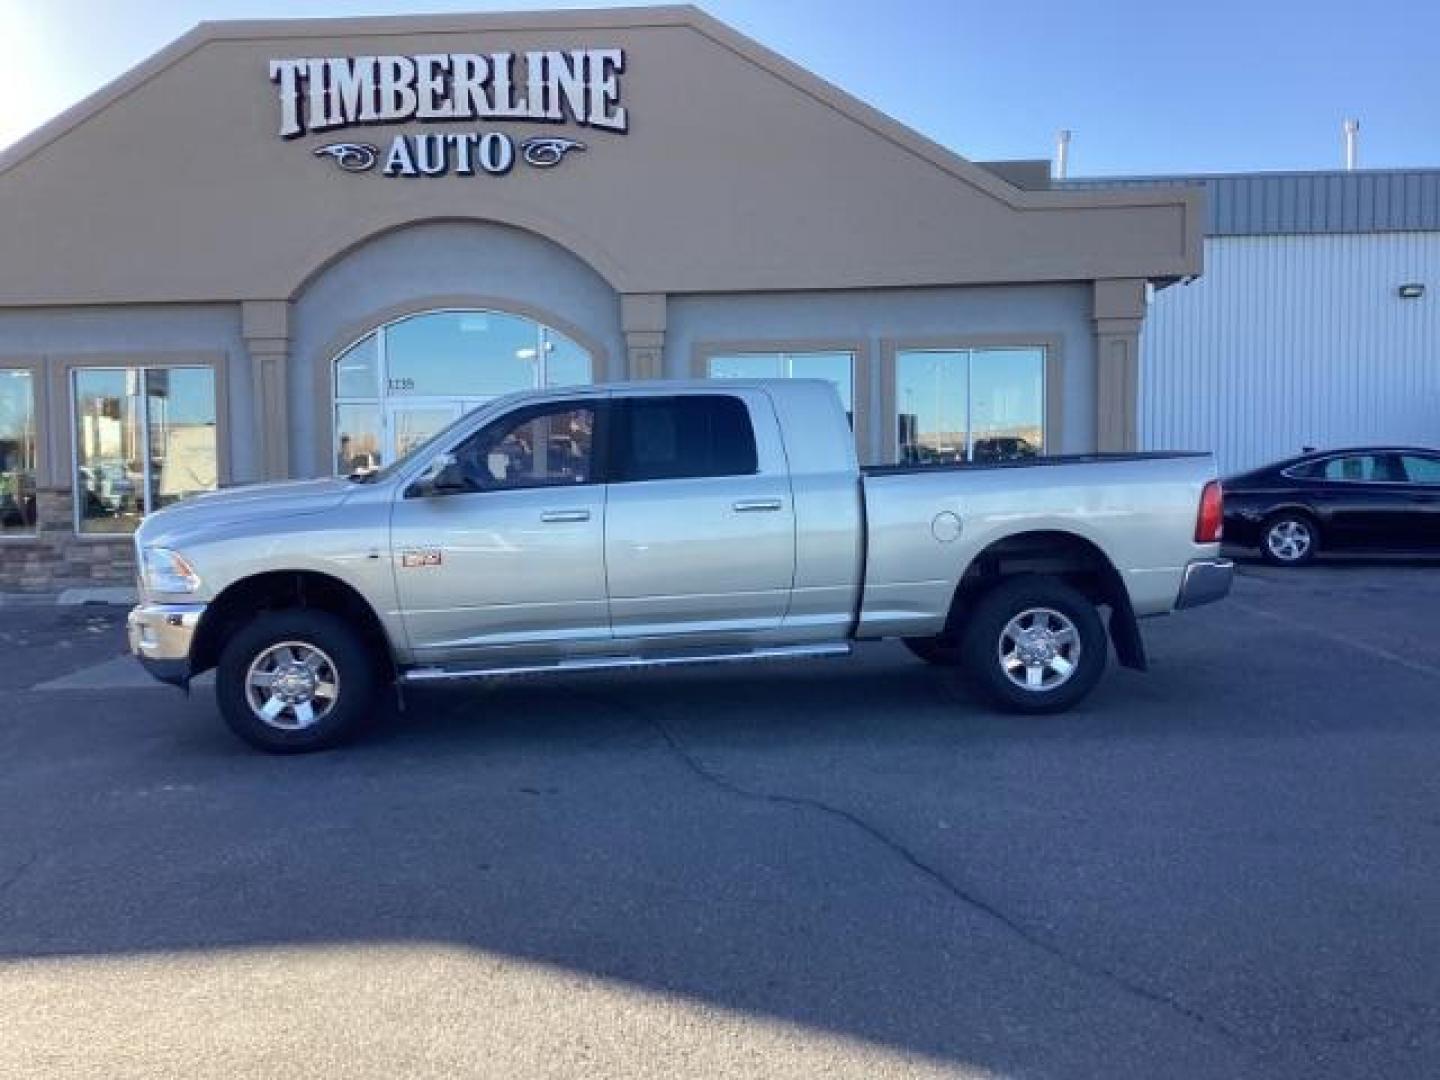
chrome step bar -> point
(614, 663)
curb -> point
(114, 595)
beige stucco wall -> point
(740, 172)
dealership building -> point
(294, 248)
(1316, 323)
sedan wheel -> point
(1289, 541)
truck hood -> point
(216, 508)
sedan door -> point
(1361, 501)
(510, 563)
(1422, 492)
(700, 524)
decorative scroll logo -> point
(351, 156)
(545, 152)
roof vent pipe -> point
(1062, 153)
(1352, 138)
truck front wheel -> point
(1034, 645)
(295, 680)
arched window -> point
(404, 381)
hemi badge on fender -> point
(421, 557)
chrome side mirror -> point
(447, 477)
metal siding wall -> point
(1292, 341)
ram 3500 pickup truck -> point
(647, 524)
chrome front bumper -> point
(1205, 581)
(160, 637)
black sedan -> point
(1364, 499)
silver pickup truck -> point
(648, 524)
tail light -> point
(1210, 522)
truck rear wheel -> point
(295, 680)
(1033, 644)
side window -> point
(1363, 467)
(672, 438)
(1421, 470)
(549, 446)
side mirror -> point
(448, 478)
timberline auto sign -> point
(546, 86)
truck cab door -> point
(700, 522)
(504, 555)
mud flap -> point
(1125, 633)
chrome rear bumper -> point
(1205, 581)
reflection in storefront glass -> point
(978, 405)
(836, 367)
(357, 370)
(17, 452)
(566, 364)
(1007, 410)
(143, 439)
(109, 454)
(461, 354)
(932, 392)
(180, 408)
(357, 439)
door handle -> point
(565, 515)
(753, 506)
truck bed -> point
(1020, 463)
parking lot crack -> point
(939, 878)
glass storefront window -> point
(976, 405)
(17, 452)
(404, 381)
(144, 438)
(357, 370)
(357, 439)
(180, 415)
(837, 367)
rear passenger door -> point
(1360, 496)
(699, 524)
(1422, 489)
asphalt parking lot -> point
(1227, 867)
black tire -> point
(982, 645)
(942, 651)
(348, 667)
(1302, 532)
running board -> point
(614, 663)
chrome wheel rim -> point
(292, 686)
(1289, 540)
(1039, 650)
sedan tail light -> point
(1210, 522)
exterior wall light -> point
(1411, 290)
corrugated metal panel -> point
(1263, 204)
(1294, 341)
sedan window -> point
(1375, 468)
(1421, 470)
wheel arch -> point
(1074, 559)
(278, 590)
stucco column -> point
(1119, 311)
(265, 325)
(642, 318)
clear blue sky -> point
(1146, 87)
